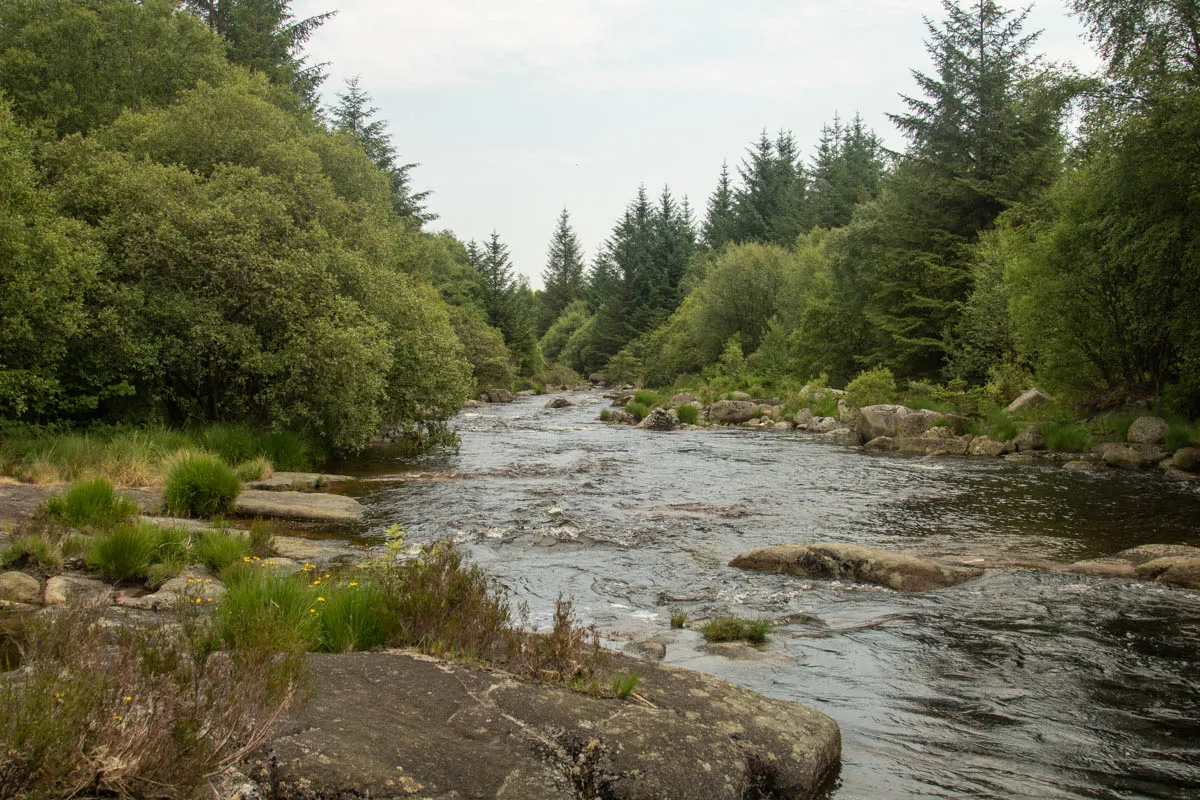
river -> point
(1021, 684)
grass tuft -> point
(217, 550)
(201, 485)
(736, 629)
(679, 619)
(125, 553)
(34, 550)
(688, 414)
(256, 469)
(91, 503)
(638, 410)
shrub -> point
(816, 396)
(261, 539)
(560, 375)
(1001, 427)
(1061, 435)
(647, 397)
(91, 503)
(201, 485)
(33, 550)
(264, 609)
(1182, 434)
(217, 550)
(605, 414)
(872, 387)
(256, 469)
(735, 629)
(638, 410)
(160, 714)
(125, 553)
(688, 414)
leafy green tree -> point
(47, 266)
(264, 36)
(572, 318)
(563, 275)
(69, 66)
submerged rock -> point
(854, 563)
(299, 481)
(1102, 568)
(1150, 552)
(621, 417)
(560, 402)
(1130, 455)
(398, 724)
(824, 425)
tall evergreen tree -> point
(846, 170)
(507, 302)
(353, 114)
(768, 206)
(563, 276)
(719, 224)
(264, 36)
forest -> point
(189, 236)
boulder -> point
(560, 402)
(320, 552)
(396, 724)
(620, 417)
(620, 399)
(195, 588)
(1102, 568)
(1150, 552)
(893, 420)
(882, 443)
(67, 588)
(683, 399)
(474, 404)
(781, 427)
(596, 377)
(738, 396)
(308, 506)
(803, 418)
(985, 446)
(1029, 399)
(1129, 455)
(17, 587)
(847, 437)
(731, 412)
(935, 441)
(1030, 440)
(769, 412)
(824, 425)
(647, 648)
(847, 414)
(1148, 430)
(1187, 459)
(660, 419)
(854, 563)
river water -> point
(1022, 684)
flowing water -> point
(1022, 684)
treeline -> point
(1040, 225)
(186, 236)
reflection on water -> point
(1020, 684)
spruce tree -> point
(563, 276)
(719, 224)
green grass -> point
(202, 486)
(125, 553)
(647, 397)
(353, 617)
(1182, 434)
(34, 550)
(1067, 436)
(638, 410)
(262, 608)
(261, 538)
(624, 684)
(679, 619)
(216, 550)
(605, 414)
(736, 629)
(256, 469)
(91, 503)
(688, 414)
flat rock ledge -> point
(298, 481)
(305, 506)
(857, 564)
(1170, 564)
(397, 724)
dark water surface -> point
(1023, 684)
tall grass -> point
(130, 456)
(125, 553)
(202, 486)
(736, 629)
(91, 503)
(217, 550)
(688, 414)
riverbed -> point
(1022, 684)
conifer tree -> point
(719, 224)
(563, 276)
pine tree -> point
(507, 302)
(264, 36)
(769, 205)
(846, 170)
(563, 276)
(353, 114)
(719, 224)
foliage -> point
(563, 275)
(126, 552)
(201, 485)
(33, 550)
(160, 709)
(678, 619)
(639, 411)
(255, 469)
(624, 684)
(1065, 435)
(91, 504)
(736, 629)
(261, 539)
(217, 550)
(872, 387)
(688, 414)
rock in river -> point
(854, 563)
(396, 724)
(732, 412)
(299, 505)
(660, 420)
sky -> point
(515, 109)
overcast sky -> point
(517, 108)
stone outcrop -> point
(731, 412)
(935, 441)
(803, 418)
(621, 417)
(73, 587)
(560, 402)
(307, 506)
(1170, 564)
(985, 446)
(849, 562)
(824, 425)
(17, 587)
(847, 437)
(1029, 399)
(660, 419)
(1030, 440)
(1148, 430)
(396, 724)
(893, 420)
(496, 396)
(1187, 459)
(298, 481)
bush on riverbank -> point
(91, 504)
